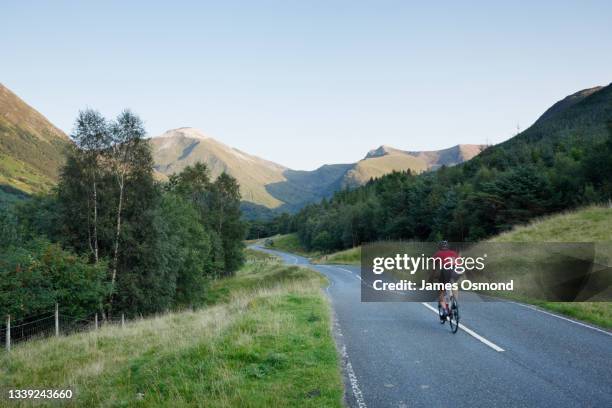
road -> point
(397, 354)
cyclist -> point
(446, 275)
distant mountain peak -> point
(189, 132)
(382, 150)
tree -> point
(107, 199)
(92, 139)
(129, 155)
(225, 217)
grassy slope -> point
(289, 243)
(31, 148)
(376, 167)
(350, 256)
(592, 224)
(267, 342)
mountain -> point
(267, 185)
(31, 148)
(386, 159)
(179, 148)
(31, 154)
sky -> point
(305, 83)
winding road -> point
(397, 354)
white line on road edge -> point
(563, 318)
(469, 331)
(353, 379)
(346, 364)
(295, 260)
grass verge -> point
(267, 342)
(591, 224)
(350, 256)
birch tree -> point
(125, 158)
(92, 139)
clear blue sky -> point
(305, 83)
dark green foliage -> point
(183, 251)
(224, 218)
(35, 276)
(218, 204)
(259, 228)
(563, 161)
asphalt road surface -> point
(506, 354)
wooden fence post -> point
(96, 322)
(8, 333)
(56, 320)
(122, 320)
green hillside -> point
(591, 224)
(31, 148)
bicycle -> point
(452, 311)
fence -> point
(50, 323)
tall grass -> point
(590, 224)
(267, 342)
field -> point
(585, 225)
(591, 224)
(265, 340)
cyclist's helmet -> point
(443, 245)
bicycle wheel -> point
(453, 318)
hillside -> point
(591, 224)
(179, 148)
(386, 159)
(266, 185)
(31, 148)
(563, 161)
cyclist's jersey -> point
(447, 275)
(445, 254)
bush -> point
(36, 276)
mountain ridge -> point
(31, 154)
(275, 186)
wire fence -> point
(49, 323)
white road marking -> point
(469, 331)
(345, 270)
(563, 318)
(350, 372)
(353, 379)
